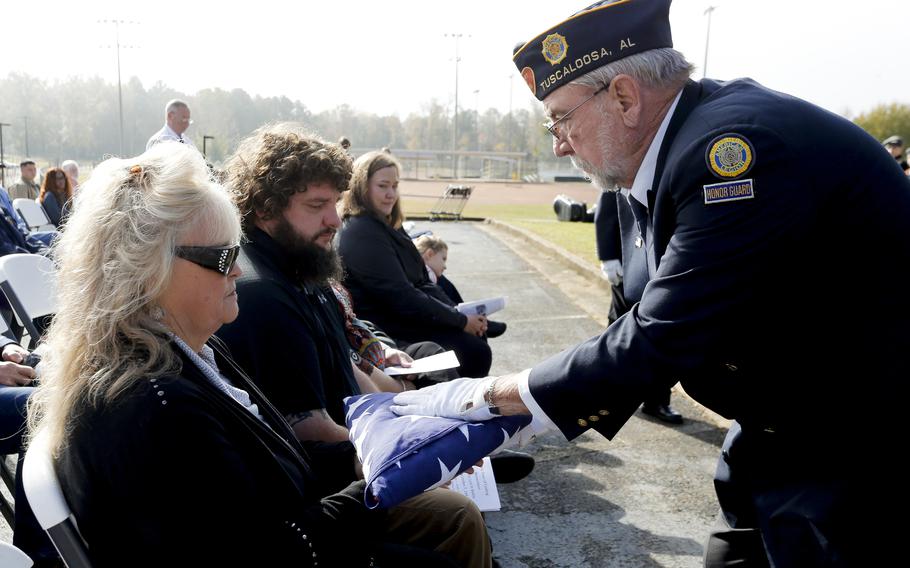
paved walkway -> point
(644, 499)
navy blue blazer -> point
(743, 307)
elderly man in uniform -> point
(746, 267)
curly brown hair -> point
(277, 161)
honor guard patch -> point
(729, 156)
(554, 48)
(728, 191)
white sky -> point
(392, 56)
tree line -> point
(78, 118)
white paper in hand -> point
(482, 307)
(438, 362)
(479, 487)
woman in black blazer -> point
(387, 277)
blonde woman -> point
(167, 453)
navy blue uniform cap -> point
(600, 34)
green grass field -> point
(577, 238)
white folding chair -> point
(29, 283)
(12, 557)
(49, 504)
(33, 215)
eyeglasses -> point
(552, 125)
(219, 259)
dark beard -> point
(311, 262)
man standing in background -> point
(176, 121)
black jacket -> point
(289, 336)
(176, 473)
(743, 305)
(388, 279)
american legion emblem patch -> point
(729, 156)
(555, 48)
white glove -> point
(460, 398)
(612, 269)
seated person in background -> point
(375, 349)
(387, 277)
(435, 254)
(16, 380)
(56, 195)
(71, 167)
(167, 453)
(14, 234)
(290, 333)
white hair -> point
(114, 262)
(655, 68)
(173, 105)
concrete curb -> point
(571, 261)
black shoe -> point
(663, 412)
(495, 328)
(509, 466)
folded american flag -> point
(404, 456)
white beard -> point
(601, 179)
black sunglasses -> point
(219, 259)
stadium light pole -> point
(116, 24)
(708, 12)
(2, 156)
(477, 117)
(25, 119)
(456, 37)
(511, 84)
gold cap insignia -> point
(555, 48)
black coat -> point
(388, 280)
(747, 307)
(744, 300)
(176, 473)
(289, 336)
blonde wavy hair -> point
(114, 262)
(356, 201)
(430, 242)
